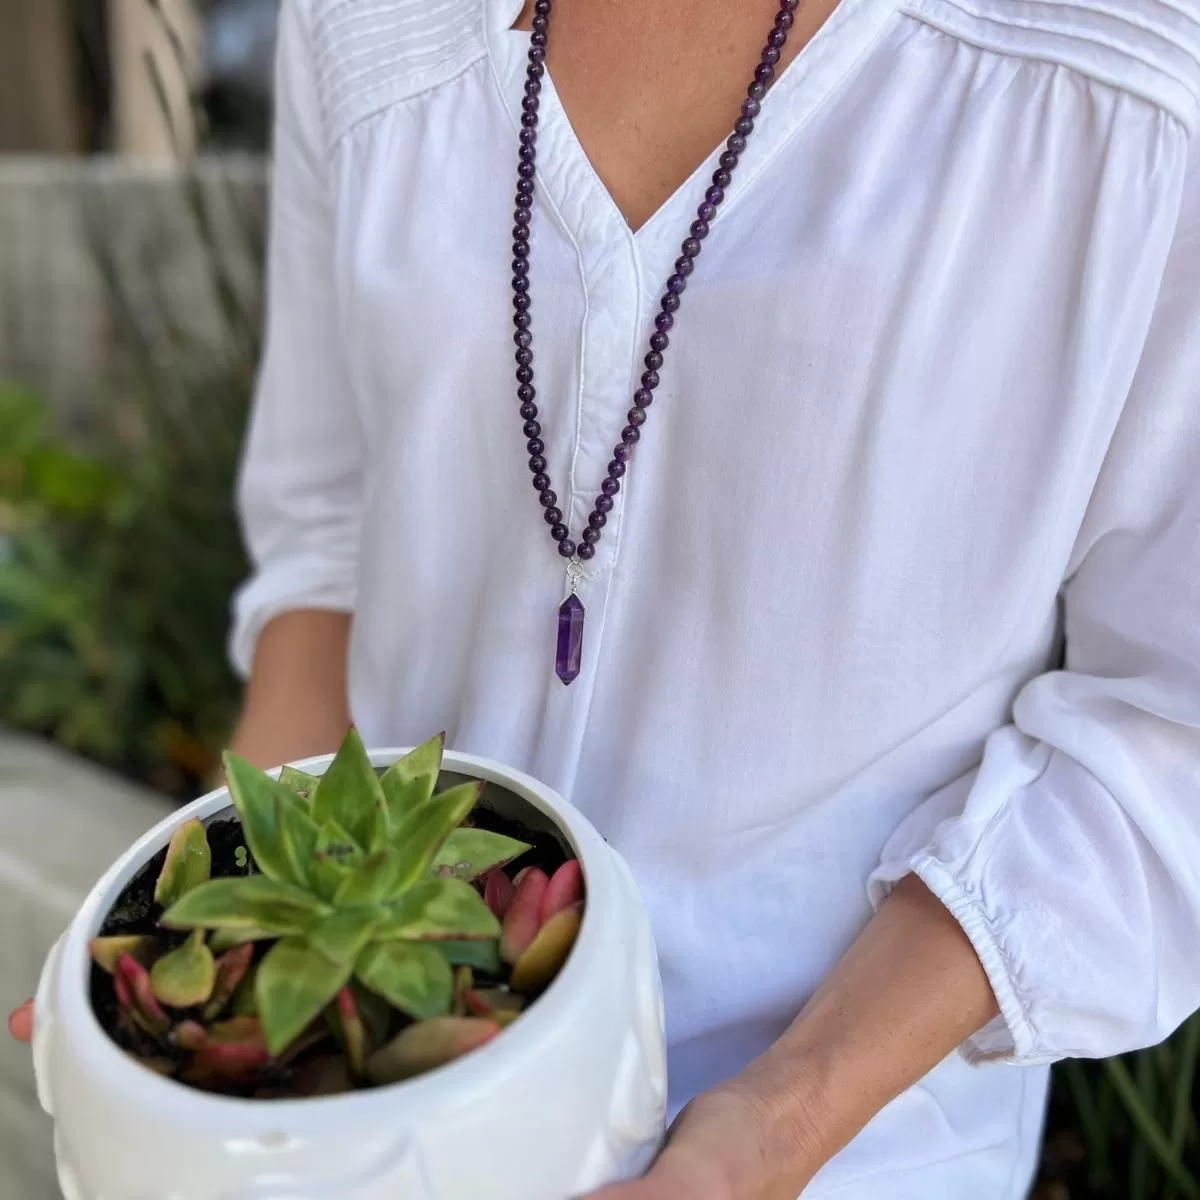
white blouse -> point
(905, 574)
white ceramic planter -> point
(569, 1098)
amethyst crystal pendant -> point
(570, 639)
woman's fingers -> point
(20, 1022)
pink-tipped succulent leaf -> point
(234, 1052)
(494, 1004)
(521, 923)
(426, 1045)
(498, 893)
(353, 1031)
(185, 977)
(136, 995)
(189, 1035)
(536, 969)
(106, 950)
(231, 968)
(564, 890)
(188, 864)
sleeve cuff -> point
(269, 594)
(1011, 1036)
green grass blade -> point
(1188, 1047)
(1150, 1130)
(1095, 1129)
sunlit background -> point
(133, 177)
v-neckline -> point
(572, 185)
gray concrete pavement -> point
(62, 823)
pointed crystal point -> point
(570, 639)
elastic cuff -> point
(1011, 1036)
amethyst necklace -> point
(571, 613)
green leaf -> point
(299, 782)
(1150, 1130)
(422, 833)
(294, 982)
(1188, 1045)
(373, 881)
(187, 865)
(246, 902)
(297, 839)
(438, 909)
(227, 937)
(336, 856)
(409, 783)
(342, 935)
(350, 793)
(469, 853)
(482, 956)
(415, 979)
(186, 975)
(258, 800)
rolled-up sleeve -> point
(300, 487)
(1071, 856)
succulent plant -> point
(361, 876)
(362, 910)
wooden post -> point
(38, 113)
(142, 51)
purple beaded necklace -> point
(571, 613)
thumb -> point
(20, 1022)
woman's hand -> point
(20, 1022)
(724, 1146)
(907, 993)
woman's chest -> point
(889, 386)
(651, 89)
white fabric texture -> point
(905, 574)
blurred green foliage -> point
(116, 569)
(1126, 1129)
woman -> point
(888, 680)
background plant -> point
(116, 568)
(1125, 1129)
(119, 548)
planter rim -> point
(503, 1053)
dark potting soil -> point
(137, 912)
